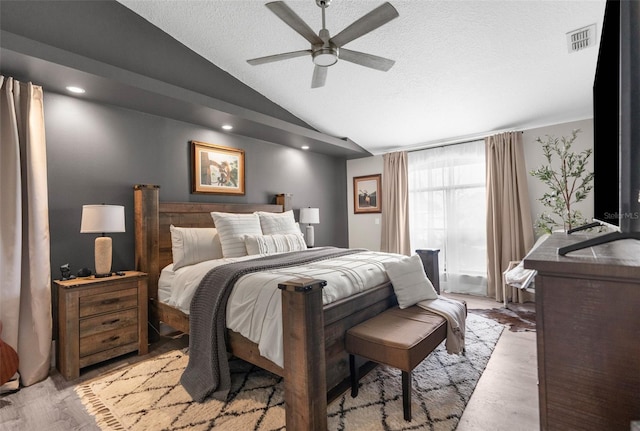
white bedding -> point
(254, 307)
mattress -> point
(254, 306)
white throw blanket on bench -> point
(455, 313)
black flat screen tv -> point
(606, 122)
(616, 120)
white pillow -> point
(410, 283)
(278, 243)
(277, 223)
(232, 228)
(191, 245)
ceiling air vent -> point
(581, 38)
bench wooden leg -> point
(406, 394)
(354, 376)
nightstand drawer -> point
(110, 301)
(108, 340)
(108, 322)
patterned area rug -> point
(148, 395)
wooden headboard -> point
(153, 219)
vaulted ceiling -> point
(462, 68)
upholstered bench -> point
(399, 338)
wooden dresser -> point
(99, 319)
(588, 334)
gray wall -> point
(96, 153)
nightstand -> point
(99, 319)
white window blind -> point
(447, 201)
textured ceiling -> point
(463, 68)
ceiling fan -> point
(325, 50)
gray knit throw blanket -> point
(207, 372)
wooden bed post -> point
(146, 204)
(305, 385)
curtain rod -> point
(458, 140)
(474, 137)
(443, 144)
(446, 142)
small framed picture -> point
(217, 169)
(366, 194)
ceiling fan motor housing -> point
(326, 54)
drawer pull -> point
(110, 301)
(111, 322)
(112, 338)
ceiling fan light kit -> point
(325, 57)
(325, 50)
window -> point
(447, 201)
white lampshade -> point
(309, 215)
(102, 219)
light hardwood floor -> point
(506, 397)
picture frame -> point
(217, 169)
(367, 194)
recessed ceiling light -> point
(227, 127)
(305, 147)
(76, 90)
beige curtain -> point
(509, 226)
(25, 274)
(395, 204)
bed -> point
(315, 367)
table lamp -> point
(309, 216)
(102, 219)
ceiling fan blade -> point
(319, 76)
(278, 57)
(369, 22)
(286, 14)
(367, 60)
